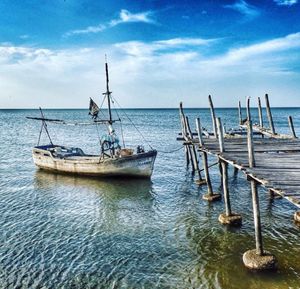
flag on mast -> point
(94, 109)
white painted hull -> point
(136, 165)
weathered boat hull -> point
(136, 165)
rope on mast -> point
(149, 144)
(44, 124)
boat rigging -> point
(113, 160)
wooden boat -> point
(113, 161)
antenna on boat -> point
(108, 93)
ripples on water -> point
(61, 231)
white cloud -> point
(286, 2)
(288, 42)
(124, 17)
(142, 49)
(24, 36)
(241, 6)
(151, 74)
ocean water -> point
(61, 231)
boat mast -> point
(108, 93)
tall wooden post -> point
(261, 122)
(240, 114)
(257, 223)
(256, 259)
(225, 188)
(200, 181)
(220, 135)
(270, 118)
(183, 131)
(250, 144)
(248, 108)
(291, 125)
(228, 218)
(213, 116)
(191, 147)
(210, 196)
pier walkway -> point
(277, 162)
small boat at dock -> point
(113, 161)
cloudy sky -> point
(159, 52)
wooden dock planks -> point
(277, 162)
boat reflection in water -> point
(113, 204)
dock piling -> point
(228, 218)
(220, 134)
(240, 114)
(213, 115)
(210, 196)
(194, 158)
(261, 122)
(291, 125)
(248, 108)
(183, 131)
(257, 259)
(250, 144)
(269, 113)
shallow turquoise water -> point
(61, 231)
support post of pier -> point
(188, 148)
(251, 157)
(261, 122)
(256, 259)
(200, 181)
(248, 108)
(213, 115)
(270, 118)
(240, 114)
(291, 125)
(228, 218)
(210, 196)
(220, 135)
(182, 122)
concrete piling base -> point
(233, 219)
(200, 182)
(253, 261)
(212, 197)
(297, 217)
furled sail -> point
(94, 109)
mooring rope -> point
(171, 151)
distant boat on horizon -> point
(113, 161)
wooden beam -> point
(250, 144)
(213, 116)
(291, 125)
(183, 131)
(220, 135)
(225, 188)
(260, 116)
(248, 109)
(240, 114)
(256, 215)
(269, 113)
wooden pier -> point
(265, 157)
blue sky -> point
(160, 52)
